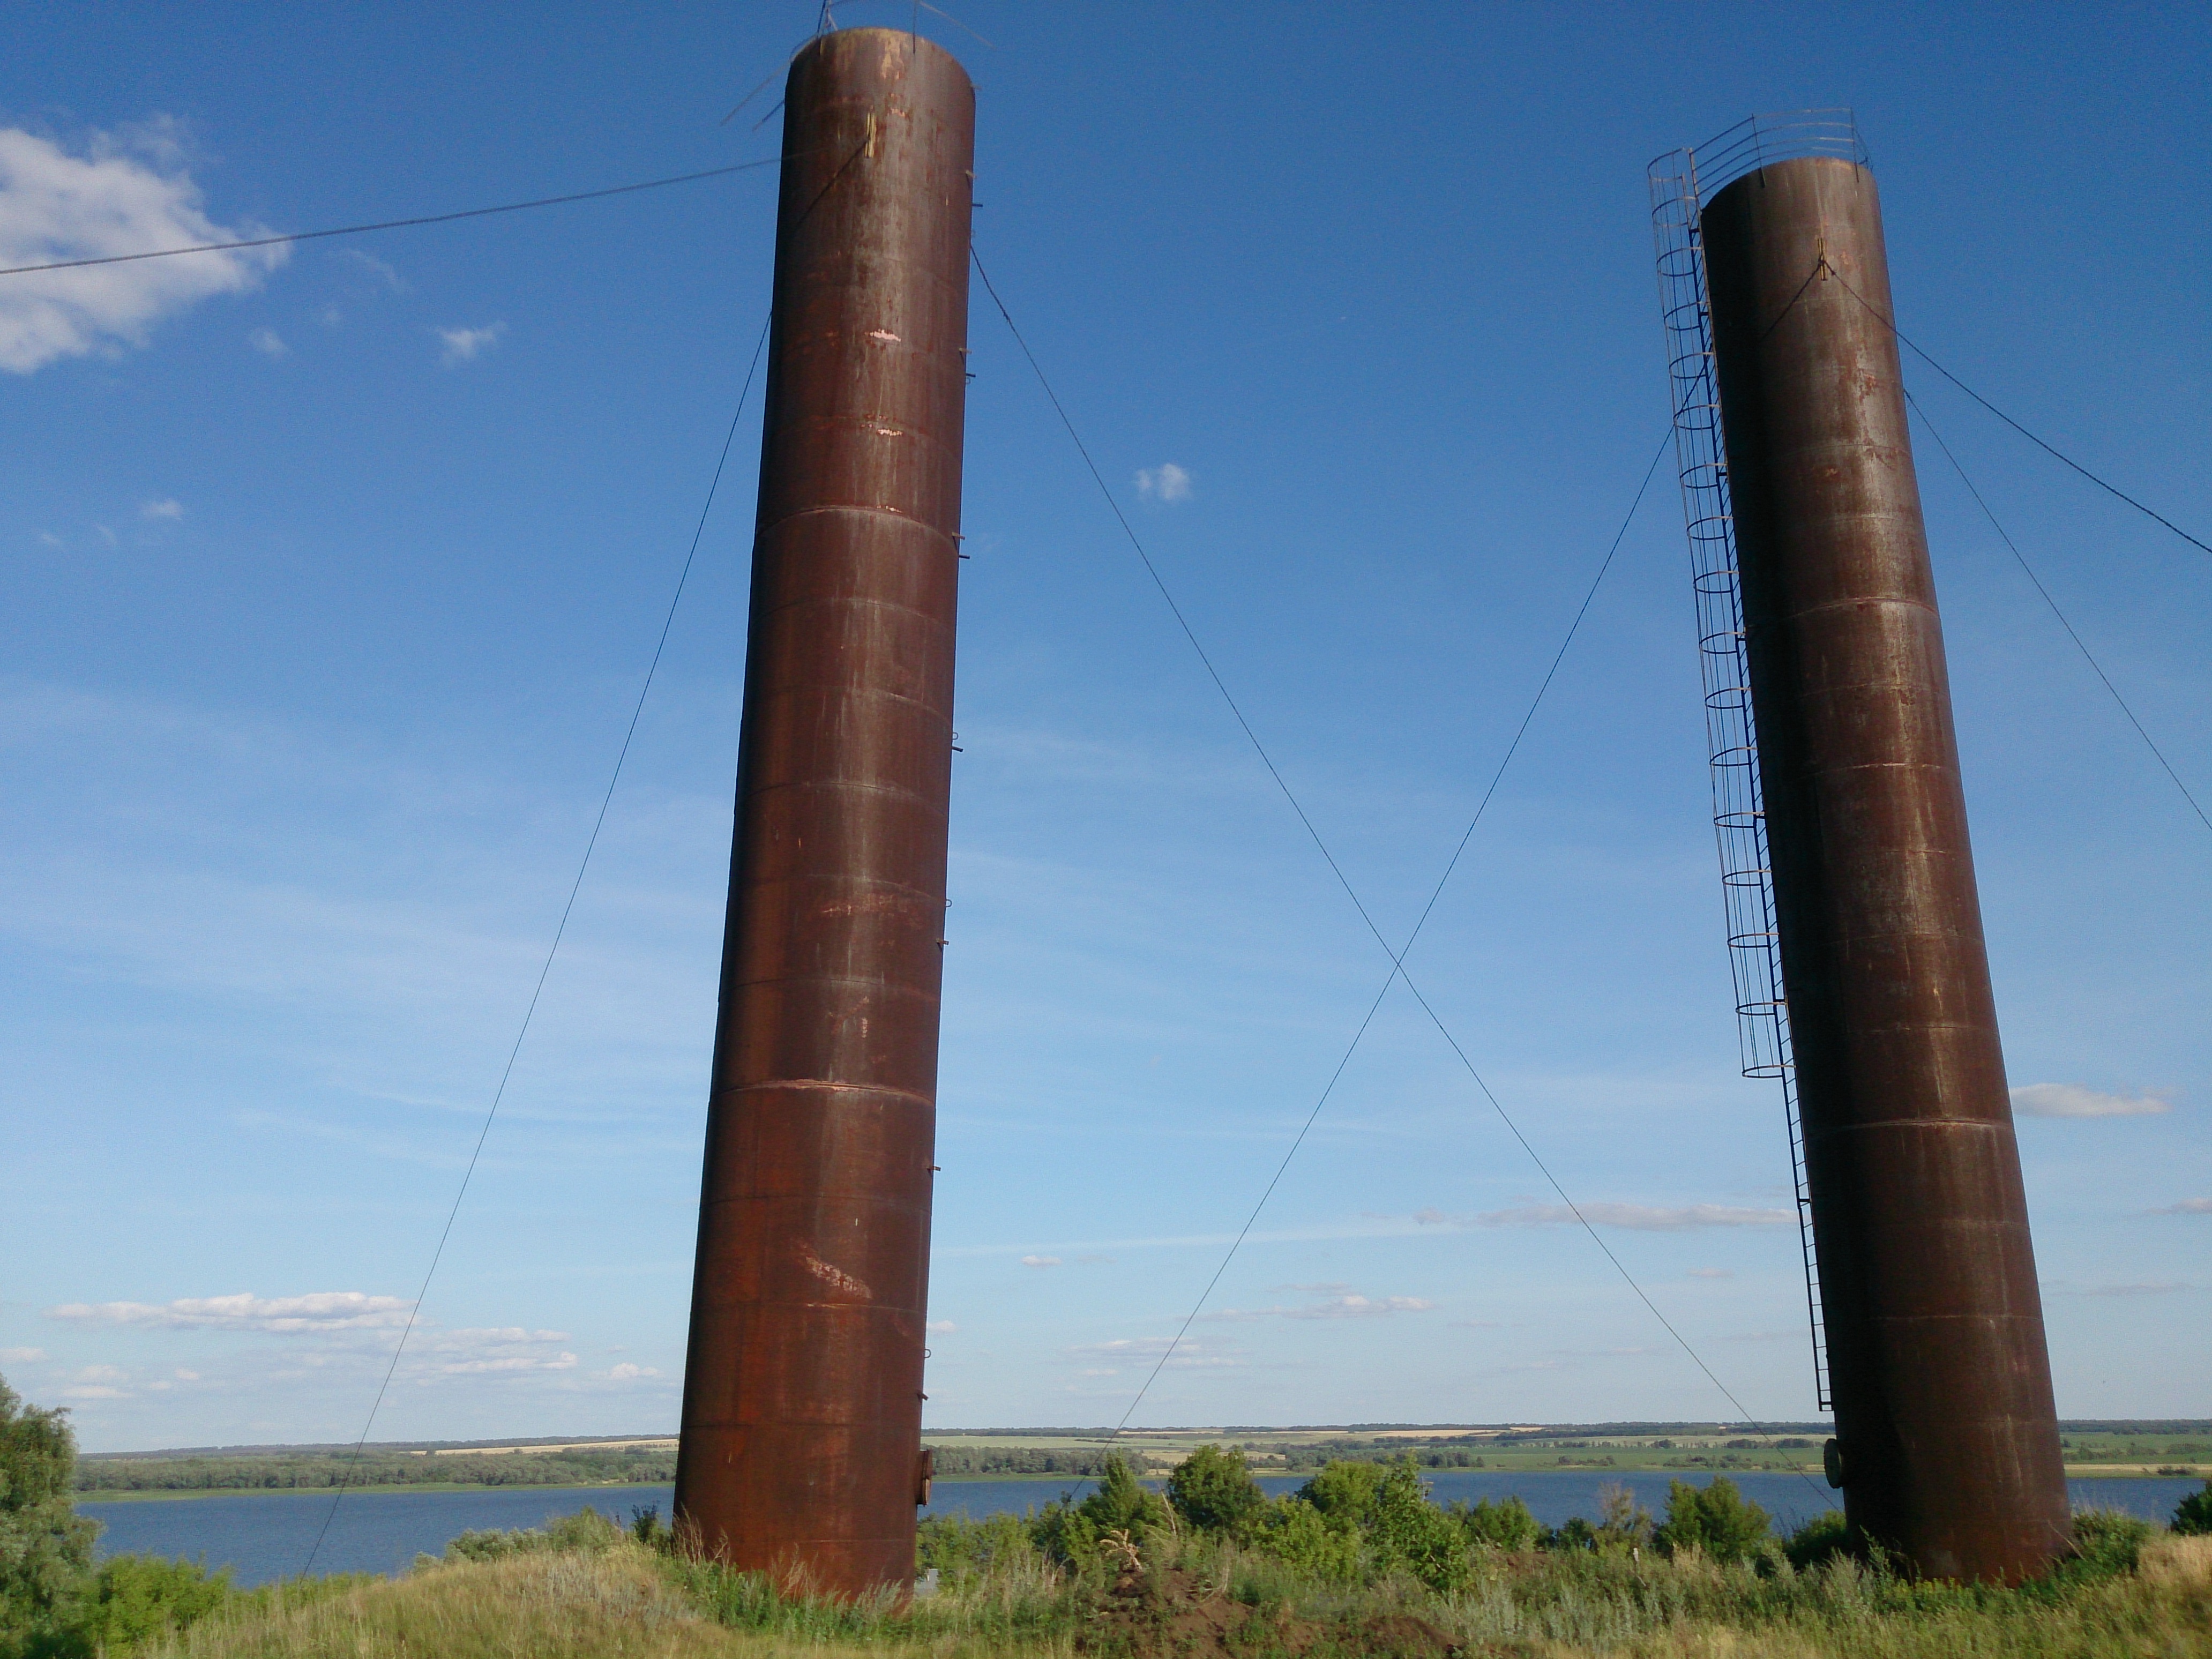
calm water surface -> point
(265, 1536)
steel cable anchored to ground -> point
(591, 845)
(1397, 964)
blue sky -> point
(331, 576)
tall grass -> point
(595, 1593)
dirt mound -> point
(1173, 1615)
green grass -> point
(597, 1597)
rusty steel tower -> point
(801, 1450)
(1854, 921)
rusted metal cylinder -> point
(803, 1395)
(1939, 1373)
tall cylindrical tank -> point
(803, 1395)
(1945, 1426)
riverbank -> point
(265, 1537)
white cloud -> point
(2187, 1206)
(47, 538)
(943, 1325)
(376, 267)
(269, 343)
(98, 1382)
(322, 1310)
(1165, 483)
(161, 509)
(56, 206)
(1349, 1305)
(183, 1376)
(21, 1356)
(2071, 1100)
(1040, 1261)
(463, 345)
(1133, 1349)
(627, 1372)
(1641, 1217)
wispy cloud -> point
(1711, 1272)
(124, 194)
(1101, 1358)
(1347, 1305)
(1641, 1217)
(1040, 1261)
(98, 1382)
(269, 343)
(2072, 1100)
(1165, 483)
(465, 345)
(374, 266)
(161, 509)
(627, 1372)
(21, 1356)
(322, 1310)
(2187, 1206)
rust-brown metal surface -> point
(1940, 1376)
(802, 1398)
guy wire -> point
(591, 844)
(1397, 964)
(2020, 559)
(394, 224)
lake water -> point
(266, 1535)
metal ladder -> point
(1701, 458)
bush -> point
(1343, 1490)
(1406, 1532)
(2108, 1544)
(1505, 1525)
(961, 1549)
(1068, 1531)
(1714, 1520)
(586, 1531)
(136, 1598)
(2193, 1516)
(1213, 1491)
(1300, 1535)
(1820, 1541)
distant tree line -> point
(968, 1461)
(645, 1466)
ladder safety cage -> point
(1680, 182)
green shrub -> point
(962, 1549)
(1343, 1490)
(1623, 1523)
(1820, 1541)
(2108, 1544)
(1406, 1532)
(2193, 1516)
(1714, 1520)
(1068, 1531)
(586, 1531)
(1300, 1535)
(136, 1598)
(1506, 1525)
(1213, 1491)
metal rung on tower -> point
(1680, 181)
